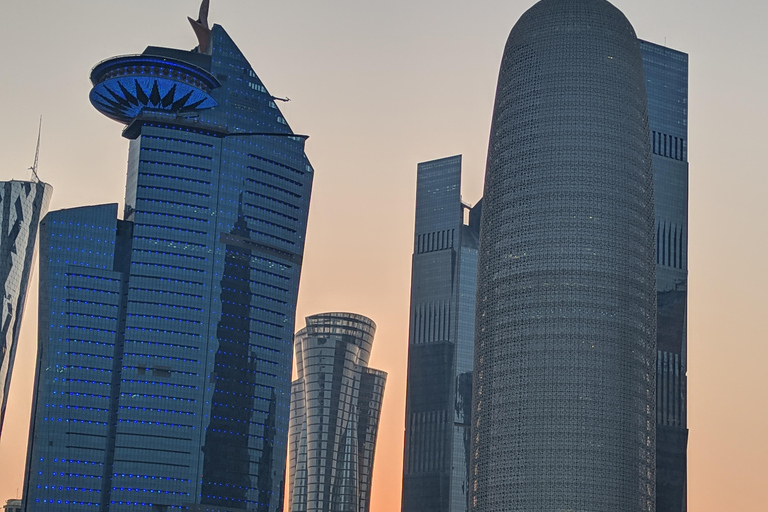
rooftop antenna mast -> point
(35, 177)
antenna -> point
(35, 178)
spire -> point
(201, 28)
(37, 152)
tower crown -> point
(124, 87)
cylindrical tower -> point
(335, 408)
(564, 397)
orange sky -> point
(379, 87)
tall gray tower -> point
(565, 354)
(22, 205)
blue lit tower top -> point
(125, 87)
(193, 395)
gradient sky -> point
(380, 86)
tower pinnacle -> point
(202, 29)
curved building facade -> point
(564, 378)
(335, 408)
(22, 205)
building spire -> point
(35, 178)
(201, 28)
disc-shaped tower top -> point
(124, 87)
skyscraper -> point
(666, 73)
(22, 204)
(165, 338)
(441, 342)
(335, 408)
(565, 353)
(666, 80)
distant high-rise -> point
(565, 353)
(22, 205)
(335, 408)
(12, 506)
(666, 81)
(165, 338)
(441, 342)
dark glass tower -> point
(335, 410)
(441, 342)
(565, 350)
(165, 338)
(666, 80)
(22, 205)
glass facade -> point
(441, 342)
(565, 350)
(666, 74)
(166, 338)
(335, 410)
(666, 81)
(22, 205)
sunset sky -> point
(380, 86)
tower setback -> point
(441, 342)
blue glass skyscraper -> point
(166, 337)
(441, 342)
(666, 81)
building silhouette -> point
(165, 337)
(441, 342)
(666, 81)
(22, 205)
(565, 353)
(335, 409)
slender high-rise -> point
(441, 342)
(335, 409)
(165, 337)
(666, 80)
(565, 349)
(22, 205)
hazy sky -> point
(380, 86)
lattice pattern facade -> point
(335, 409)
(564, 378)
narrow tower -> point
(564, 378)
(440, 343)
(666, 75)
